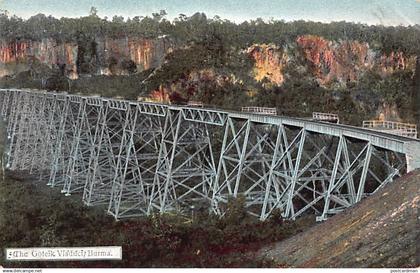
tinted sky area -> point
(387, 12)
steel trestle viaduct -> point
(139, 158)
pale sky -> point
(387, 12)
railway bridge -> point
(138, 158)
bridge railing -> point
(393, 127)
(260, 110)
(325, 117)
(195, 103)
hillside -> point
(381, 231)
(359, 71)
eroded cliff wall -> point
(113, 54)
(329, 61)
(104, 56)
(21, 55)
(270, 61)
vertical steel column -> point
(67, 139)
(365, 169)
(18, 102)
(331, 185)
(232, 157)
(71, 181)
(268, 190)
(2, 100)
(220, 171)
(15, 108)
(96, 158)
(127, 144)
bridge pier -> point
(106, 147)
(61, 144)
(299, 173)
(28, 135)
(5, 103)
(356, 164)
(136, 165)
(244, 164)
(413, 157)
(49, 135)
(185, 169)
(86, 128)
(16, 107)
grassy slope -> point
(381, 231)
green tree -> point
(93, 12)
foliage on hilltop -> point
(198, 27)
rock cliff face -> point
(328, 61)
(105, 56)
(341, 61)
(143, 53)
(21, 55)
(396, 61)
(269, 62)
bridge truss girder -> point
(278, 167)
(141, 158)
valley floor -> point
(380, 231)
(35, 215)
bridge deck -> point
(380, 139)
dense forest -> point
(209, 61)
(199, 28)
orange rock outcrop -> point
(46, 51)
(347, 60)
(144, 53)
(329, 61)
(269, 62)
